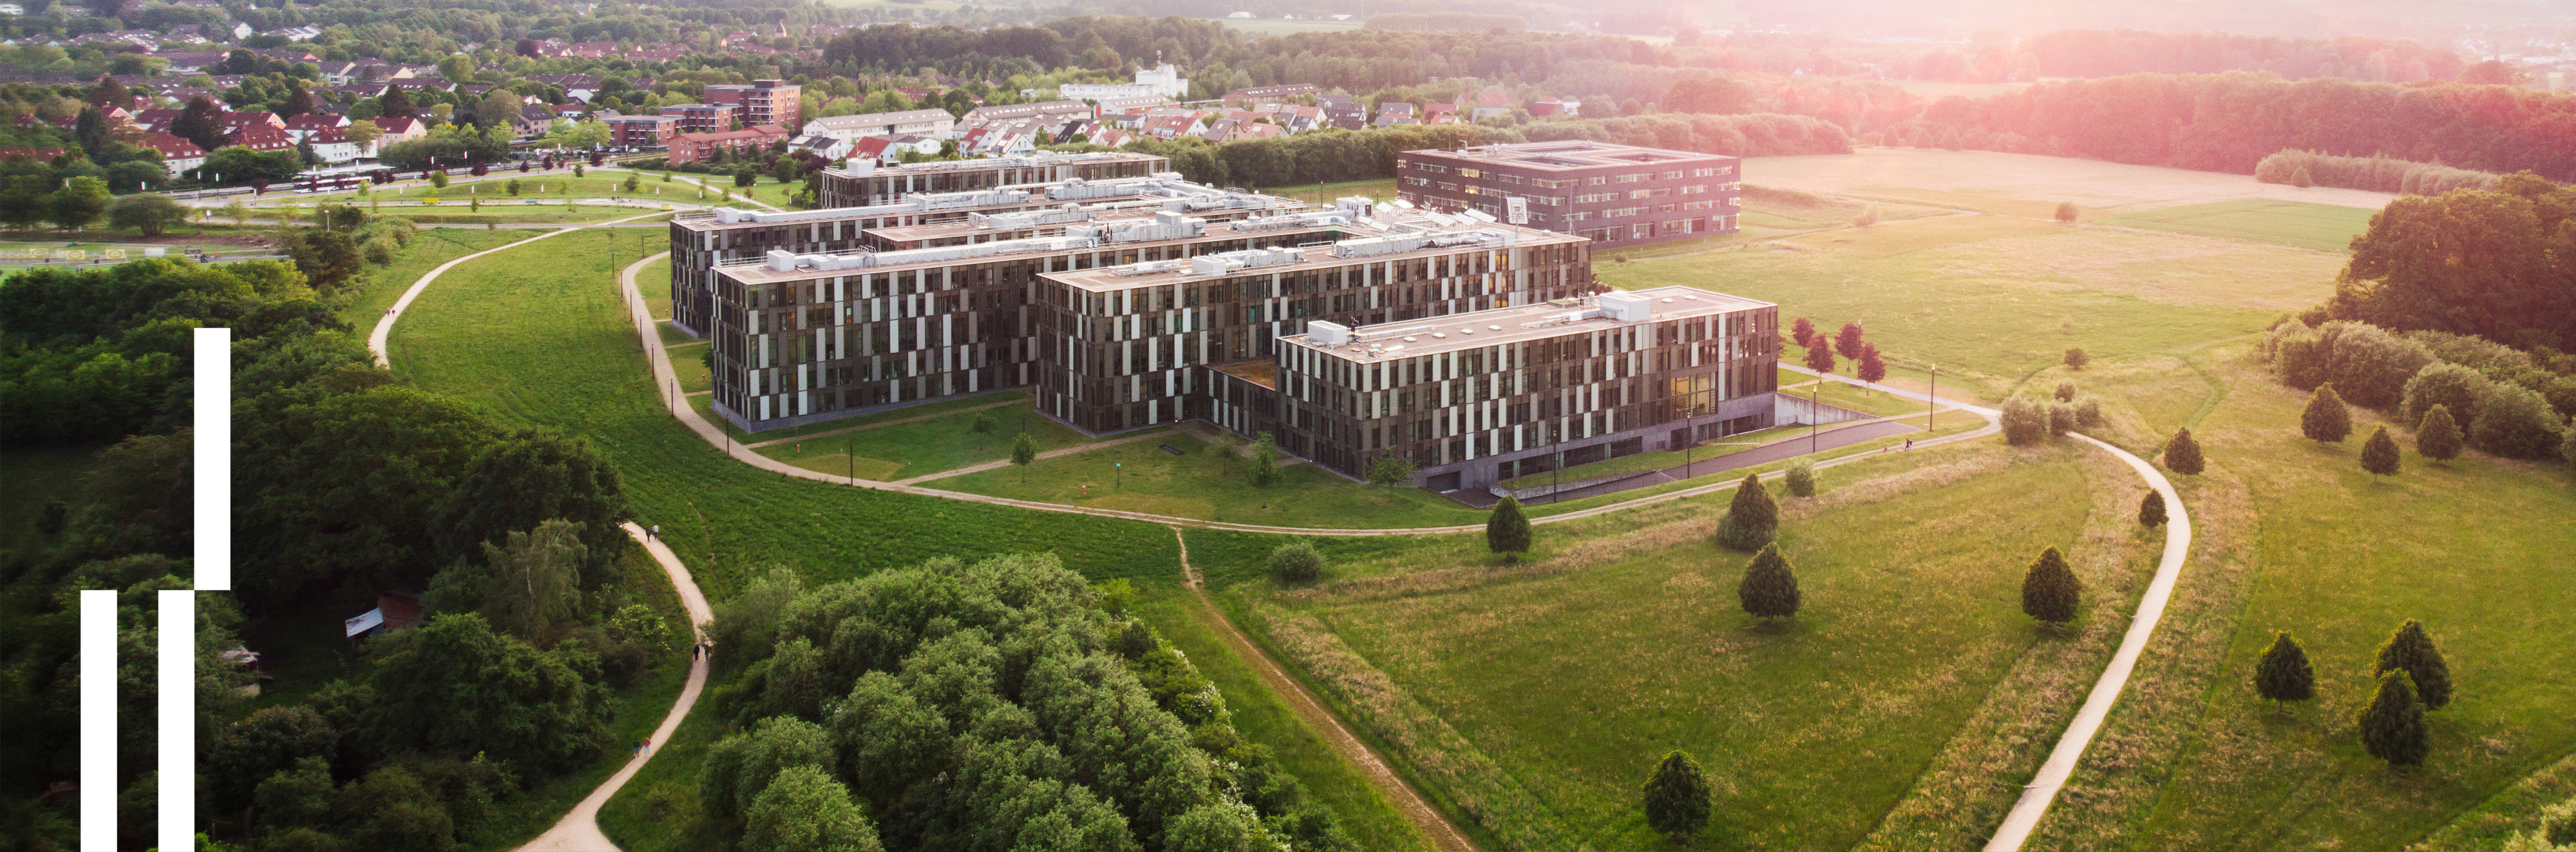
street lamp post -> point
(1932, 401)
(1815, 414)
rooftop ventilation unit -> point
(1373, 246)
(1301, 220)
(1627, 307)
(954, 200)
(1327, 333)
(1030, 219)
(780, 261)
(1150, 267)
(1224, 262)
(1165, 225)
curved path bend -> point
(385, 326)
(578, 831)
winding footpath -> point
(578, 831)
(2016, 828)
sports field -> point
(2322, 227)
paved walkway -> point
(385, 327)
(579, 831)
(1303, 702)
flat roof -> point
(1105, 279)
(1522, 324)
(1567, 155)
(996, 163)
(760, 273)
(1257, 371)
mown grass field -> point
(429, 248)
(2322, 227)
(1992, 299)
(1542, 696)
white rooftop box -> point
(1627, 307)
(1328, 333)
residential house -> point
(580, 87)
(152, 120)
(304, 33)
(701, 147)
(1490, 103)
(1055, 111)
(400, 129)
(1343, 111)
(234, 120)
(421, 84)
(178, 154)
(261, 137)
(1440, 114)
(187, 34)
(191, 61)
(1544, 107)
(1258, 95)
(934, 123)
(642, 131)
(333, 145)
(1170, 126)
(826, 147)
(533, 119)
(890, 150)
(304, 126)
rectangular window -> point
(1468, 173)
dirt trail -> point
(1433, 824)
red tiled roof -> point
(261, 137)
(172, 147)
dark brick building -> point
(1616, 195)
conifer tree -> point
(2284, 674)
(2392, 727)
(2438, 437)
(1752, 520)
(2379, 454)
(2326, 419)
(2151, 510)
(1677, 801)
(2182, 454)
(2050, 592)
(1769, 589)
(2410, 649)
(1507, 530)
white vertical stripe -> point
(98, 718)
(213, 458)
(177, 679)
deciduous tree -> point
(2050, 591)
(81, 201)
(2065, 211)
(1677, 798)
(1872, 368)
(1820, 353)
(148, 213)
(2283, 674)
(2075, 358)
(1296, 562)
(2410, 649)
(805, 810)
(1507, 530)
(1769, 588)
(1847, 341)
(1391, 471)
(1263, 470)
(1024, 450)
(1802, 330)
(2024, 422)
(2379, 454)
(453, 686)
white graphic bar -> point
(214, 459)
(98, 720)
(178, 699)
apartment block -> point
(1483, 396)
(703, 240)
(805, 338)
(703, 118)
(642, 131)
(865, 183)
(762, 101)
(1616, 195)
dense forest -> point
(2498, 264)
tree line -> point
(1329, 156)
(2112, 53)
(2408, 271)
(2375, 173)
(1003, 704)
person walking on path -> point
(657, 528)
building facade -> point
(863, 184)
(1614, 194)
(1146, 343)
(701, 147)
(703, 118)
(762, 101)
(932, 123)
(1484, 396)
(642, 131)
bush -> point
(1507, 530)
(1296, 562)
(2452, 386)
(1770, 588)
(2076, 358)
(1801, 477)
(2370, 367)
(2065, 391)
(2061, 418)
(2024, 422)
(2325, 419)
(2436, 437)
(2088, 413)
(2298, 356)
(1391, 471)
(2514, 422)
(2379, 454)
(2065, 211)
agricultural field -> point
(2026, 185)
(2316, 226)
(1262, 27)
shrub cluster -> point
(2506, 402)
(2374, 173)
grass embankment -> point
(1206, 481)
(1532, 700)
(930, 444)
(1660, 459)
(539, 335)
(429, 248)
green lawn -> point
(829, 427)
(2317, 226)
(539, 336)
(1660, 459)
(1207, 482)
(1993, 299)
(1533, 706)
(942, 442)
(654, 280)
(1261, 716)
(429, 248)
